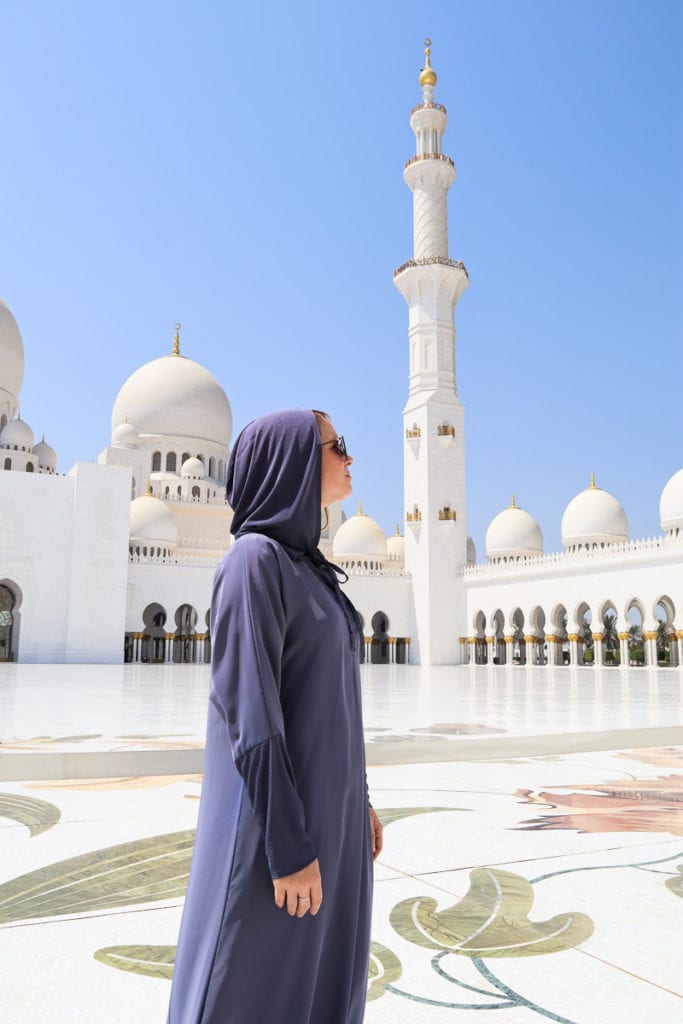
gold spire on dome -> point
(176, 340)
(398, 532)
(148, 492)
(428, 74)
(360, 509)
(593, 486)
(512, 503)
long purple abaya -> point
(284, 773)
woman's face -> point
(336, 478)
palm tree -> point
(610, 632)
(662, 639)
(635, 643)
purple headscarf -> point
(275, 479)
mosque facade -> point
(114, 561)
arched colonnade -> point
(602, 634)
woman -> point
(276, 925)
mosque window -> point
(202, 459)
(8, 463)
(212, 467)
(180, 491)
(29, 467)
(220, 471)
(156, 462)
(171, 462)
(3, 422)
(186, 456)
(195, 492)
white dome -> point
(125, 436)
(17, 434)
(175, 396)
(151, 520)
(11, 353)
(472, 551)
(47, 456)
(594, 517)
(671, 503)
(513, 533)
(193, 469)
(396, 546)
(359, 535)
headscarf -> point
(274, 488)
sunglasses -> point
(338, 446)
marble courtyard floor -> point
(533, 861)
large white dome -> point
(594, 517)
(151, 520)
(396, 547)
(671, 504)
(359, 535)
(513, 533)
(11, 353)
(175, 396)
(47, 456)
(17, 434)
(471, 551)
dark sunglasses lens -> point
(340, 447)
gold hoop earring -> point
(327, 519)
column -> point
(598, 645)
(574, 648)
(650, 646)
(624, 653)
(490, 642)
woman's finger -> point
(303, 904)
(316, 899)
(292, 901)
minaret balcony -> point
(428, 156)
(446, 431)
(447, 514)
(424, 261)
(428, 106)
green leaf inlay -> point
(491, 921)
(675, 884)
(152, 961)
(391, 814)
(37, 815)
(384, 968)
(142, 871)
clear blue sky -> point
(238, 168)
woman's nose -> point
(349, 460)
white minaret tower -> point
(433, 419)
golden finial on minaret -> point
(428, 74)
(176, 340)
(398, 532)
(148, 492)
(512, 503)
(593, 485)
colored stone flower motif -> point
(491, 921)
(634, 805)
(383, 969)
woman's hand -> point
(301, 892)
(377, 830)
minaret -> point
(433, 419)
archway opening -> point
(7, 624)
(379, 646)
(152, 650)
(185, 639)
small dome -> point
(151, 520)
(11, 353)
(359, 535)
(671, 504)
(174, 396)
(193, 469)
(513, 533)
(594, 517)
(125, 436)
(396, 546)
(471, 552)
(47, 456)
(17, 434)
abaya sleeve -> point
(248, 628)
